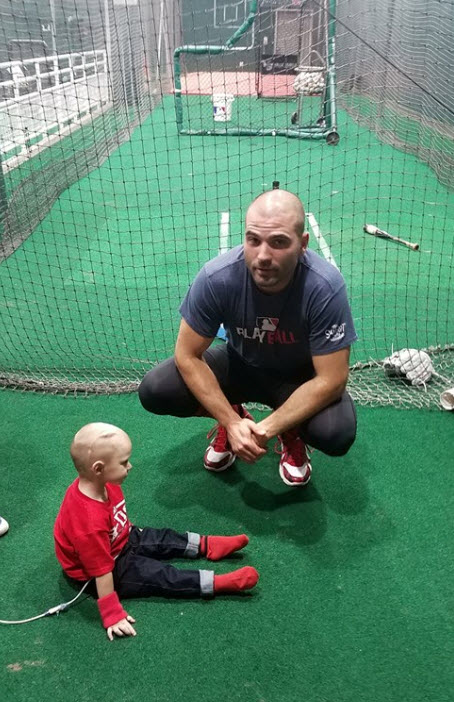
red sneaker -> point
(294, 467)
(219, 455)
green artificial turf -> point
(93, 293)
(355, 597)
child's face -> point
(116, 464)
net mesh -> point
(115, 188)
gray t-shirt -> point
(281, 331)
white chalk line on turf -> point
(224, 232)
(324, 248)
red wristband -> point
(111, 610)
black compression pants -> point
(163, 391)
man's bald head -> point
(274, 239)
(95, 442)
(275, 203)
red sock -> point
(241, 579)
(217, 547)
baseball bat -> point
(375, 231)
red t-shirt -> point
(89, 534)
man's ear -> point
(305, 241)
(97, 467)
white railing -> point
(43, 98)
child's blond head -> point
(96, 442)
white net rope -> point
(107, 212)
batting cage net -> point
(135, 133)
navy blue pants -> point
(163, 391)
(139, 571)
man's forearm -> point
(203, 384)
(303, 403)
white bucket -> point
(222, 107)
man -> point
(289, 330)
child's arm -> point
(114, 617)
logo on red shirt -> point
(121, 519)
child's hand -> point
(122, 628)
(114, 618)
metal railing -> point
(45, 96)
(25, 82)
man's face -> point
(272, 248)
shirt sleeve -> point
(200, 307)
(94, 552)
(331, 323)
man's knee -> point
(150, 395)
(333, 431)
(341, 435)
(339, 444)
(163, 391)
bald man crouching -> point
(289, 329)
